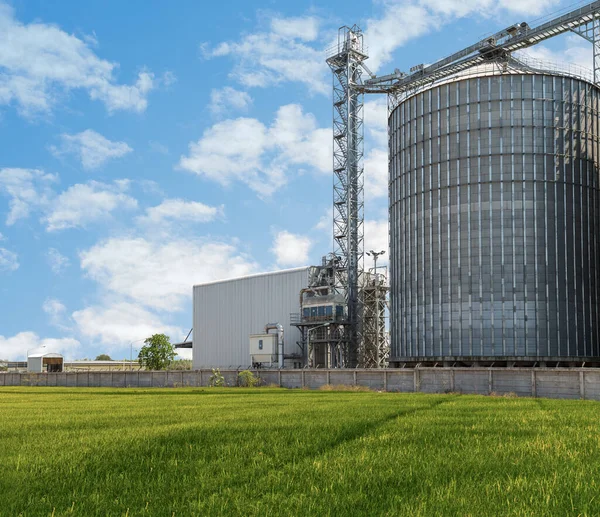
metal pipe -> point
(279, 328)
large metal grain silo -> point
(495, 219)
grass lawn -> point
(261, 452)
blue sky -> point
(148, 146)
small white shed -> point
(38, 362)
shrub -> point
(247, 379)
(180, 364)
(216, 379)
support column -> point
(596, 45)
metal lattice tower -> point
(348, 205)
(374, 351)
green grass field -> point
(290, 452)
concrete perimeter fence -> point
(562, 383)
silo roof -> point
(521, 63)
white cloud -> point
(377, 239)
(8, 260)
(290, 50)
(82, 204)
(28, 189)
(169, 78)
(179, 210)
(123, 97)
(53, 307)
(325, 223)
(56, 311)
(40, 63)
(402, 21)
(228, 99)
(245, 150)
(159, 274)
(157, 147)
(142, 280)
(291, 249)
(281, 54)
(299, 139)
(15, 348)
(376, 156)
(399, 23)
(305, 28)
(120, 323)
(376, 117)
(376, 174)
(57, 261)
(233, 149)
(91, 148)
(576, 52)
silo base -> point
(496, 362)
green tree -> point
(157, 352)
(103, 357)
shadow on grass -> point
(217, 461)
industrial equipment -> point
(263, 350)
(533, 99)
(323, 321)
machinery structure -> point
(493, 55)
(323, 323)
(374, 349)
(346, 61)
(322, 320)
(498, 49)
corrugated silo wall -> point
(494, 219)
(226, 313)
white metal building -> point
(227, 312)
(44, 362)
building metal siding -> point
(495, 219)
(227, 312)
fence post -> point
(581, 385)
(303, 382)
(354, 377)
(416, 380)
(533, 383)
(328, 377)
(384, 380)
(452, 380)
(490, 381)
(279, 377)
